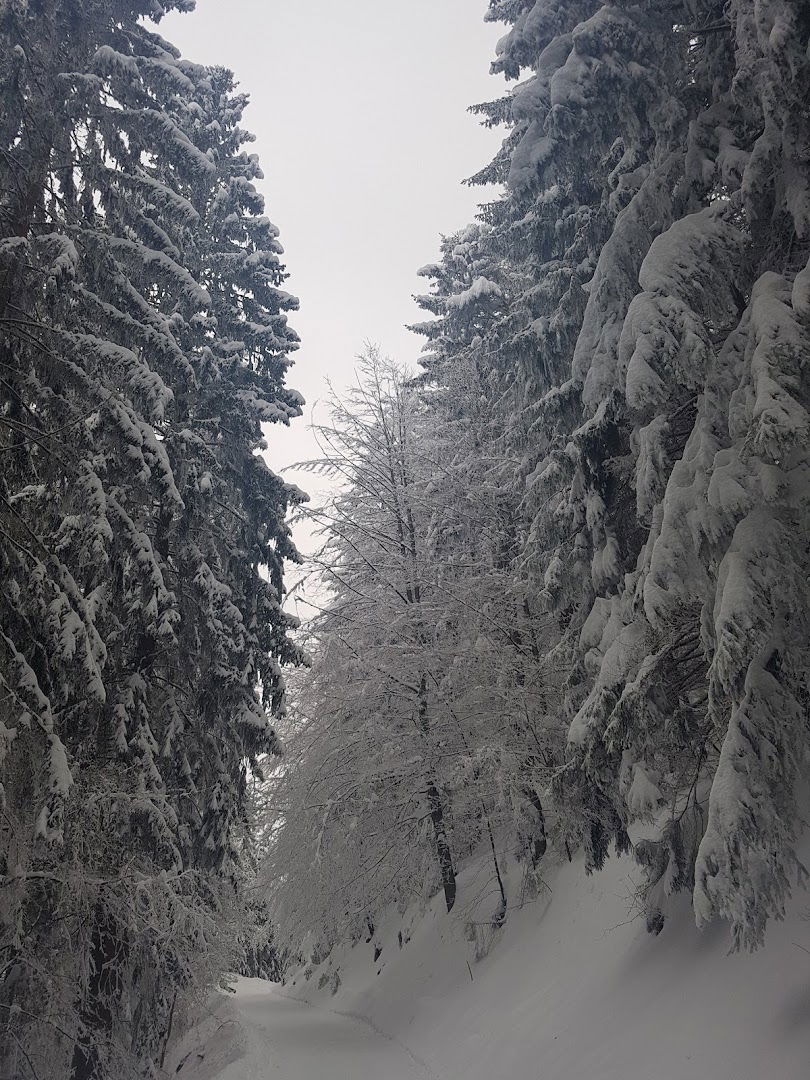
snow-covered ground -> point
(572, 988)
(284, 1039)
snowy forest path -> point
(287, 1039)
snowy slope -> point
(573, 989)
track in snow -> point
(289, 1040)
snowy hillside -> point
(569, 990)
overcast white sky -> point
(359, 109)
(360, 115)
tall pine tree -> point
(143, 342)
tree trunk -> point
(443, 853)
(537, 841)
(95, 1011)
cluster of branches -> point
(426, 726)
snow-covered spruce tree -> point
(568, 173)
(654, 237)
(647, 734)
(143, 341)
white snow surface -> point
(571, 988)
(285, 1039)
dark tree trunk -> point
(537, 842)
(95, 1010)
(436, 806)
(443, 853)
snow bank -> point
(574, 988)
(213, 1040)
